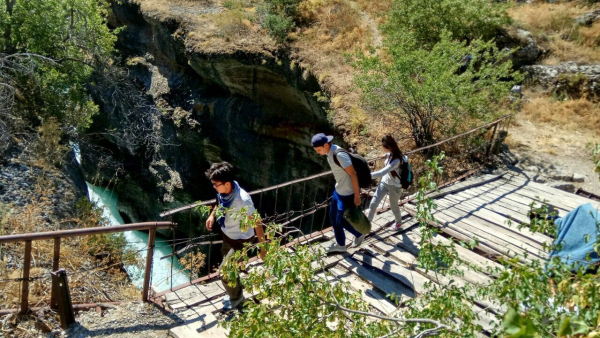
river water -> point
(165, 272)
(138, 241)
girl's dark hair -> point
(389, 142)
(221, 172)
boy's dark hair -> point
(222, 172)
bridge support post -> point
(25, 288)
(489, 148)
(148, 270)
(65, 307)
(55, 263)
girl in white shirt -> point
(390, 183)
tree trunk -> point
(9, 47)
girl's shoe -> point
(396, 226)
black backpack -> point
(361, 166)
(405, 174)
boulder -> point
(527, 51)
(578, 178)
(588, 18)
(561, 176)
(568, 187)
(567, 80)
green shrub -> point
(278, 26)
(463, 19)
(278, 17)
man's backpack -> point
(405, 173)
(363, 171)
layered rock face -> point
(568, 79)
(254, 111)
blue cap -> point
(320, 139)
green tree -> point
(466, 20)
(435, 91)
(48, 50)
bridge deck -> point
(479, 208)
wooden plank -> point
(562, 195)
(458, 217)
(200, 322)
(373, 297)
(382, 249)
(531, 195)
(498, 216)
(449, 218)
(535, 236)
(410, 240)
(378, 279)
(385, 263)
(214, 290)
(519, 205)
(390, 247)
(557, 196)
(491, 223)
(469, 183)
(411, 279)
(459, 235)
(491, 204)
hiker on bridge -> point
(390, 183)
(346, 193)
(233, 199)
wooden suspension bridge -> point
(479, 208)
(469, 208)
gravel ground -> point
(125, 320)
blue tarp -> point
(577, 236)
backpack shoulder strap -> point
(335, 153)
(394, 173)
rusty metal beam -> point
(55, 264)
(25, 287)
(148, 270)
(78, 307)
(84, 232)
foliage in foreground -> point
(296, 298)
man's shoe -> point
(358, 240)
(229, 305)
(336, 248)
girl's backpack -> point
(405, 173)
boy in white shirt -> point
(232, 198)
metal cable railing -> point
(290, 208)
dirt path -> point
(373, 26)
(553, 149)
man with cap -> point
(346, 193)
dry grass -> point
(575, 115)
(377, 9)
(94, 268)
(590, 36)
(555, 29)
(235, 23)
(335, 26)
(547, 17)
